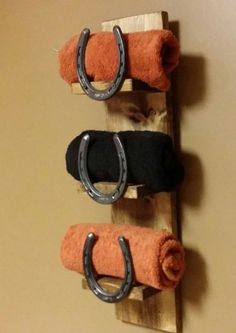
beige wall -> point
(38, 200)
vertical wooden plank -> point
(144, 111)
(156, 20)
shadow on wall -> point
(188, 81)
(192, 190)
(189, 89)
(194, 285)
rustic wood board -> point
(128, 85)
(132, 191)
(138, 293)
(144, 111)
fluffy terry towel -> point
(151, 56)
(158, 258)
(150, 156)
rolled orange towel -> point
(158, 258)
(151, 56)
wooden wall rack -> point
(137, 107)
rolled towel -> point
(151, 56)
(158, 258)
(150, 156)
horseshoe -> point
(102, 198)
(101, 293)
(88, 88)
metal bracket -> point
(102, 294)
(103, 198)
(116, 84)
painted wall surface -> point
(38, 200)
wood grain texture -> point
(132, 191)
(156, 20)
(144, 111)
(138, 293)
(128, 85)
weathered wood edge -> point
(127, 86)
(138, 293)
(132, 191)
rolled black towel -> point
(151, 159)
